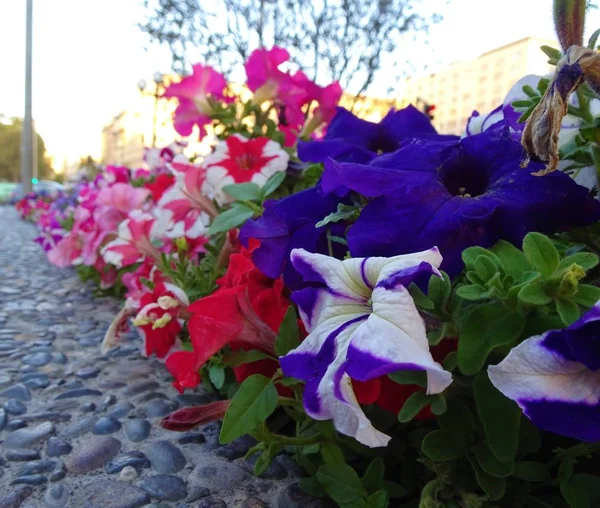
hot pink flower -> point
(68, 250)
(264, 77)
(194, 93)
(115, 202)
(116, 174)
(134, 243)
(238, 159)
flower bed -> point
(411, 315)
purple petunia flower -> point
(455, 195)
(362, 324)
(287, 224)
(555, 378)
(352, 139)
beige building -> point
(479, 84)
(124, 138)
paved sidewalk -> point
(78, 429)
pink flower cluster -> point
(149, 233)
(301, 105)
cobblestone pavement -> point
(79, 429)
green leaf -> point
(534, 294)
(439, 290)
(593, 39)
(552, 53)
(413, 405)
(265, 459)
(344, 212)
(485, 268)
(486, 327)
(473, 292)
(253, 403)
(529, 438)
(244, 191)
(513, 260)
(332, 453)
(458, 418)
(470, 255)
(409, 377)
(373, 477)
(540, 253)
(587, 295)
(342, 484)
(420, 298)
(442, 445)
(574, 494)
(491, 465)
(239, 357)
(394, 489)
(273, 184)
(216, 373)
(523, 118)
(312, 487)
(500, 417)
(529, 91)
(568, 311)
(288, 337)
(379, 499)
(585, 260)
(232, 218)
(524, 103)
(439, 406)
(494, 487)
(532, 471)
(590, 483)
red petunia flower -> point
(245, 312)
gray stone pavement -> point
(80, 429)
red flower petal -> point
(190, 417)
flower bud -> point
(569, 21)
(570, 280)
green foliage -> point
(231, 218)
(500, 417)
(253, 403)
(344, 212)
(10, 155)
(486, 327)
(288, 337)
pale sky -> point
(88, 56)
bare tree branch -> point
(344, 40)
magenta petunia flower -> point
(195, 93)
(264, 77)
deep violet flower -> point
(353, 139)
(362, 324)
(555, 378)
(287, 224)
(456, 195)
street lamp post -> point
(159, 81)
(27, 132)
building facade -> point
(477, 85)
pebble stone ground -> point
(79, 429)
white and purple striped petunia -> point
(555, 378)
(362, 324)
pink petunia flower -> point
(135, 240)
(195, 93)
